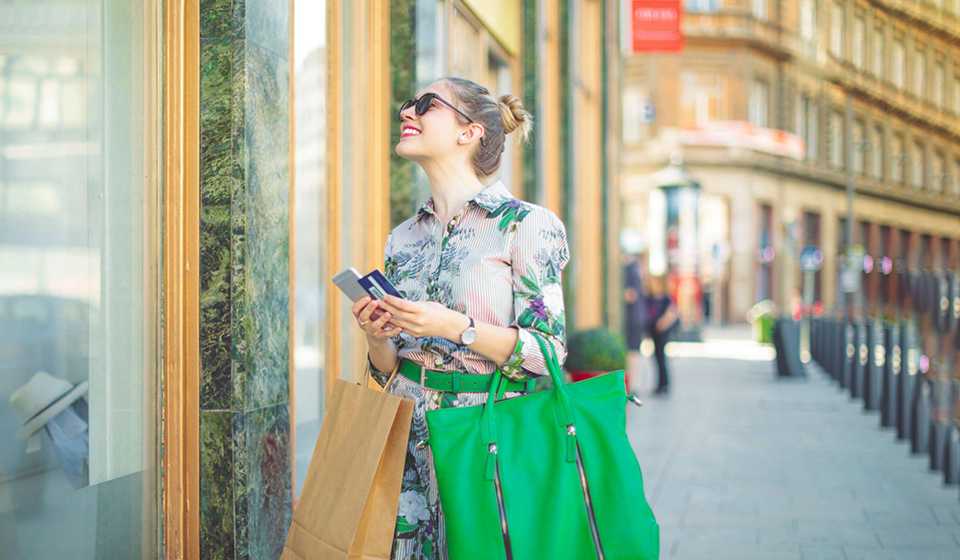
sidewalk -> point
(739, 466)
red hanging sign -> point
(656, 25)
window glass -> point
(836, 30)
(937, 177)
(836, 139)
(79, 259)
(859, 37)
(813, 129)
(899, 158)
(706, 6)
(919, 73)
(759, 9)
(878, 53)
(859, 149)
(312, 277)
(808, 19)
(877, 151)
(703, 98)
(917, 163)
(759, 102)
(899, 70)
(939, 83)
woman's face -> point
(437, 133)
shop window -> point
(79, 288)
(311, 224)
(703, 98)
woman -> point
(478, 270)
(662, 316)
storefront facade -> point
(178, 182)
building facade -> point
(770, 104)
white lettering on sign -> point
(657, 14)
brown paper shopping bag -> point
(348, 507)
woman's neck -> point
(451, 187)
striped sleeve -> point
(538, 256)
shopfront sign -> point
(655, 25)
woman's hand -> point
(425, 318)
(363, 310)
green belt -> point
(459, 382)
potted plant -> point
(595, 352)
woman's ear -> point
(473, 133)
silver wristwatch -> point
(469, 335)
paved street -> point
(739, 466)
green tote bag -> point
(549, 475)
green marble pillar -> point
(245, 486)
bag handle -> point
(565, 413)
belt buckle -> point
(423, 376)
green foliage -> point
(403, 74)
(529, 95)
(595, 350)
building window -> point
(899, 70)
(938, 179)
(859, 37)
(808, 19)
(702, 6)
(836, 140)
(638, 114)
(954, 180)
(956, 91)
(813, 129)
(939, 84)
(877, 150)
(836, 30)
(759, 103)
(917, 164)
(878, 54)
(859, 148)
(703, 98)
(760, 9)
(919, 73)
(899, 158)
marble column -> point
(245, 484)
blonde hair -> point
(499, 117)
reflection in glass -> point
(310, 201)
(78, 269)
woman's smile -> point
(409, 131)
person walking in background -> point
(661, 318)
(633, 313)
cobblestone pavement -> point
(738, 465)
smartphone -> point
(349, 282)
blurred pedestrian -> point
(633, 324)
(661, 319)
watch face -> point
(468, 336)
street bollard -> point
(847, 353)
(951, 463)
(939, 427)
(829, 350)
(859, 366)
(891, 375)
(920, 433)
(815, 339)
(907, 390)
(874, 357)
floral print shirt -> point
(498, 261)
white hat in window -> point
(40, 400)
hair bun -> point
(515, 117)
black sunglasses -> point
(424, 102)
